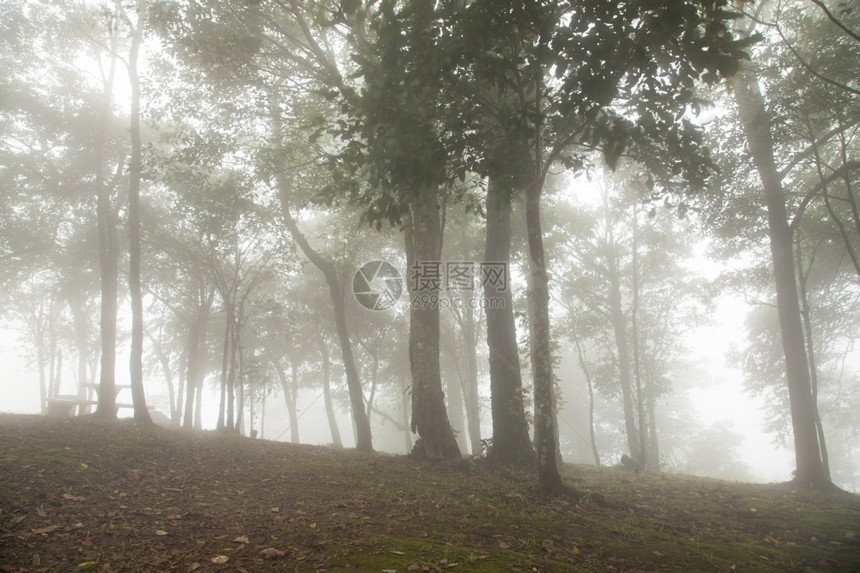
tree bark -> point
(634, 331)
(583, 365)
(363, 436)
(619, 327)
(756, 123)
(141, 412)
(470, 380)
(329, 406)
(225, 356)
(511, 441)
(197, 352)
(805, 314)
(454, 384)
(77, 306)
(546, 429)
(108, 254)
(423, 236)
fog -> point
(406, 234)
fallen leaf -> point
(160, 532)
(194, 566)
(18, 519)
(272, 553)
(398, 553)
(503, 545)
(772, 540)
(44, 530)
(242, 539)
(220, 559)
(413, 567)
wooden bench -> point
(65, 406)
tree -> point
(628, 298)
(141, 412)
(570, 93)
(756, 122)
(108, 241)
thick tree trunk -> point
(141, 412)
(756, 122)
(424, 250)
(546, 429)
(511, 441)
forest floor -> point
(81, 495)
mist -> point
(357, 246)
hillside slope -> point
(82, 495)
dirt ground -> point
(77, 494)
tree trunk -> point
(197, 353)
(329, 406)
(805, 314)
(470, 380)
(619, 327)
(454, 383)
(583, 365)
(511, 441)
(225, 365)
(634, 331)
(404, 413)
(653, 444)
(423, 253)
(108, 254)
(77, 306)
(231, 375)
(756, 123)
(292, 396)
(176, 408)
(138, 396)
(546, 429)
(363, 436)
